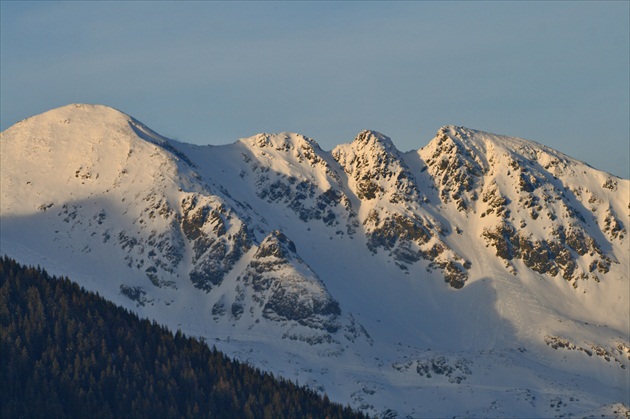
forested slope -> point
(66, 352)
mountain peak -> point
(452, 130)
(90, 123)
(74, 118)
(376, 168)
(281, 141)
(276, 244)
(367, 138)
(82, 111)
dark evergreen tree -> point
(68, 353)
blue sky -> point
(212, 72)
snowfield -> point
(480, 276)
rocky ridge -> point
(272, 239)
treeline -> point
(65, 353)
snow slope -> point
(481, 275)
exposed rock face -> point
(532, 207)
(438, 368)
(614, 353)
(455, 167)
(409, 239)
(307, 184)
(552, 256)
(219, 239)
(376, 169)
(286, 288)
(396, 221)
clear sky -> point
(213, 72)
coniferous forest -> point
(66, 352)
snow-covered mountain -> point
(481, 275)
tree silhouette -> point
(67, 353)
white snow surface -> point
(89, 192)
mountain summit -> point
(481, 275)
